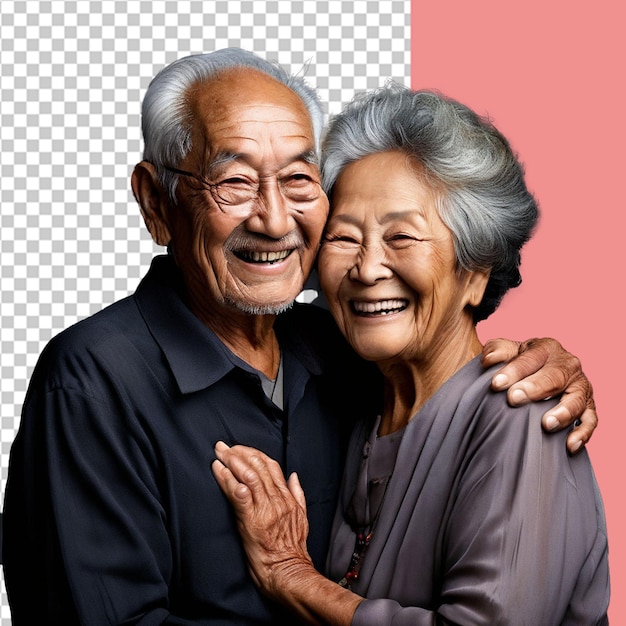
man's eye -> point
(234, 180)
(299, 179)
(300, 187)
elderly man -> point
(112, 515)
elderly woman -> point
(455, 508)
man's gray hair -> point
(483, 198)
(166, 116)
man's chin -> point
(261, 308)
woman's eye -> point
(402, 238)
(340, 239)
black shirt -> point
(112, 514)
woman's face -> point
(387, 264)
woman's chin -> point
(375, 353)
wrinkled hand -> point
(271, 515)
(539, 369)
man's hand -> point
(540, 369)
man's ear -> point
(476, 285)
(153, 202)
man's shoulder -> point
(114, 320)
(117, 321)
(98, 343)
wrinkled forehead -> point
(244, 103)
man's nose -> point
(271, 215)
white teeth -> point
(269, 257)
(382, 307)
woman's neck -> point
(410, 383)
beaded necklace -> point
(368, 499)
(361, 544)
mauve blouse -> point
(486, 519)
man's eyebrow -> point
(220, 159)
(225, 156)
(310, 156)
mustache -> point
(244, 241)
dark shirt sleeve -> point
(96, 548)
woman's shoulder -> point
(482, 414)
(504, 430)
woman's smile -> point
(377, 308)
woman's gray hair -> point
(166, 116)
(484, 200)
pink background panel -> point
(551, 76)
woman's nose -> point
(370, 265)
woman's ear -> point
(153, 202)
(476, 285)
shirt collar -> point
(195, 355)
(197, 358)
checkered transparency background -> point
(72, 76)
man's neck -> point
(250, 337)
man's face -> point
(246, 235)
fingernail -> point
(501, 380)
(519, 396)
(576, 446)
(220, 445)
(551, 422)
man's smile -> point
(253, 256)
